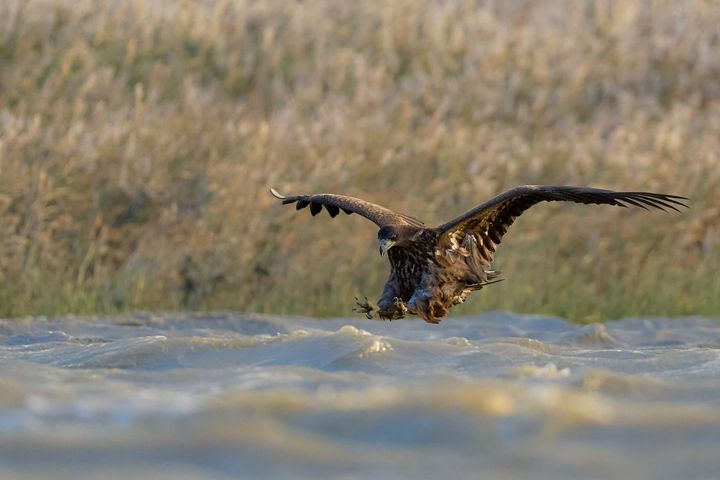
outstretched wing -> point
(490, 221)
(335, 203)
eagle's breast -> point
(412, 263)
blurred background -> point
(138, 141)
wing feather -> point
(489, 221)
(380, 215)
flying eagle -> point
(434, 268)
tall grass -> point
(138, 140)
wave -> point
(497, 394)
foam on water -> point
(497, 395)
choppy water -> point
(492, 396)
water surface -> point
(492, 396)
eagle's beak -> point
(385, 245)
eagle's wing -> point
(335, 203)
(489, 222)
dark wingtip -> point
(669, 201)
(276, 194)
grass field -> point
(138, 141)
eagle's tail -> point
(492, 277)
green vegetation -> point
(138, 141)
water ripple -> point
(219, 394)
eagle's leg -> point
(391, 305)
(391, 308)
(424, 304)
(394, 310)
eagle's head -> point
(395, 235)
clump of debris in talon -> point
(364, 307)
(400, 307)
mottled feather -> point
(378, 214)
(490, 221)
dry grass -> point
(138, 140)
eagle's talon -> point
(365, 308)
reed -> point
(138, 140)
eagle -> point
(433, 269)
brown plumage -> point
(434, 268)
